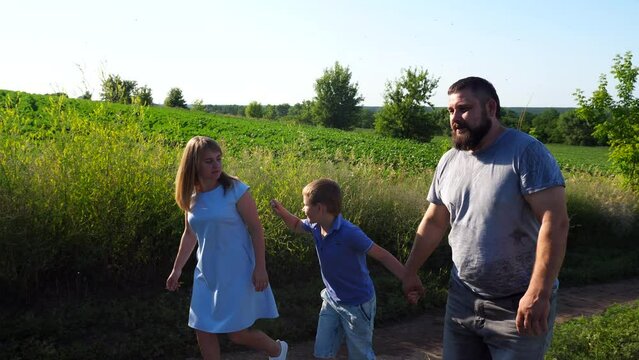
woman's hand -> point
(260, 278)
(172, 282)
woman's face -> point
(209, 168)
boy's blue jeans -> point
(351, 322)
(478, 328)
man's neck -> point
(496, 130)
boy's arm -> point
(387, 259)
(292, 222)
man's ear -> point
(491, 108)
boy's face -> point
(312, 212)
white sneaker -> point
(283, 351)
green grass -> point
(592, 159)
(611, 335)
(89, 228)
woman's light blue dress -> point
(224, 298)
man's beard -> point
(473, 136)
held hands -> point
(532, 315)
(413, 297)
(172, 282)
(413, 288)
(260, 279)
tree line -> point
(407, 111)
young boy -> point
(348, 307)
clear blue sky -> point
(536, 53)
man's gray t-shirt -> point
(493, 229)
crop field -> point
(331, 144)
(242, 134)
(593, 159)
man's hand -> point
(412, 287)
(532, 315)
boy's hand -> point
(276, 206)
(413, 288)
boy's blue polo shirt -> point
(342, 258)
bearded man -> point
(502, 195)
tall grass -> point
(87, 214)
(82, 202)
(604, 226)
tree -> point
(336, 103)
(544, 126)
(575, 131)
(198, 105)
(366, 119)
(282, 110)
(86, 96)
(175, 99)
(404, 113)
(270, 112)
(142, 96)
(509, 118)
(302, 112)
(254, 110)
(616, 120)
(442, 121)
(116, 90)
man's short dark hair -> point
(482, 88)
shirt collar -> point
(337, 224)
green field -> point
(592, 159)
(89, 228)
(240, 134)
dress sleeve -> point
(238, 189)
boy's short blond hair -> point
(325, 192)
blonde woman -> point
(230, 283)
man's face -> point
(469, 120)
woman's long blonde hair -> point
(186, 178)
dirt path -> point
(420, 338)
